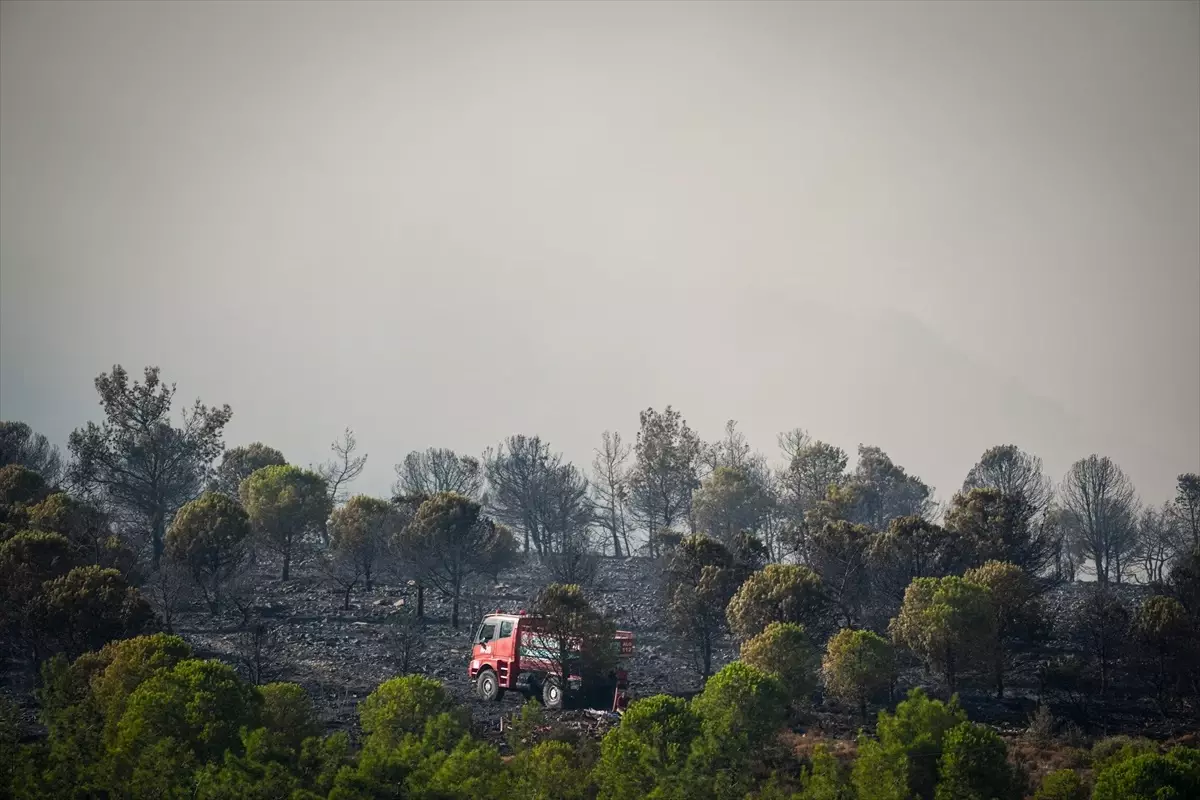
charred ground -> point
(341, 655)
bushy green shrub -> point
(259, 774)
(20, 486)
(548, 771)
(400, 706)
(784, 650)
(917, 730)
(140, 717)
(521, 731)
(28, 560)
(1115, 749)
(741, 701)
(648, 748)
(880, 772)
(823, 779)
(209, 536)
(741, 711)
(86, 527)
(947, 622)
(88, 607)
(1174, 776)
(858, 664)
(321, 759)
(288, 714)
(974, 766)
(202, 704)
(776, 593)
(1062, 784)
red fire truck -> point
(511, 653)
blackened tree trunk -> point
(158, 528)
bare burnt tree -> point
(732, 450)
(399, 563)
(775, 526)
(1011, 471)
(169, 589)
(1100, 507)
(343, 569)
(535, 492)
(344, 468)
(405, 638)
(1055, 524)
(911, 548)
(665, 472)
(610, 487)
(566, 523)
(1102, 627)
(137, 460)
(792, 442)
(242, 594)
(517, 473)
(259, 657)
(838, 552)
(804, 483)
(438, 469)
(1161, 539)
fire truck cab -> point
(510, 653)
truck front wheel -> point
(487, 687)
(552, 694)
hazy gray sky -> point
(933, 227)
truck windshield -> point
(487, 632)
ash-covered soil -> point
(340, 655)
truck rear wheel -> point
(487, 687)
(552, 694)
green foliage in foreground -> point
(1174, 776)
(143, 718)
(1062, 784)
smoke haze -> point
(933, 227)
